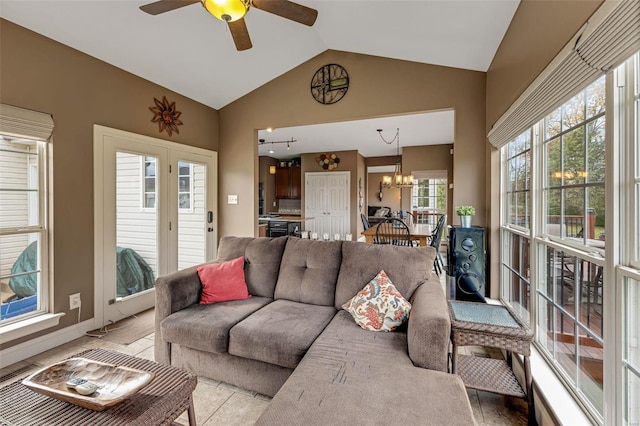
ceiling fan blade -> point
(162, 6)
(240, 34)
(288, 9)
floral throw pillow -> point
(379, 306)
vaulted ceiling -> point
(191, 52)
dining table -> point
(419, 231)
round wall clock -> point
(329, 84)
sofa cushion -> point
(223, 281)
(309, 271)
(262, 257)
(206, 327)
(280, 333)
(355, 377)
(406, 266)
(378, 306)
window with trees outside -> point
(557, 247)
(516, 158)
(429, 196)
(570, 291)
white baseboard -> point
(33, 347)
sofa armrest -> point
(174, 292)
(429, 326)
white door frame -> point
(100, 134)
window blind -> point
(608, 38)
(25, 123)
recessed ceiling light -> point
(271, 151)
(269, 129)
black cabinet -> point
(465, 262)
(278, 228)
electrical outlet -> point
(74, 301)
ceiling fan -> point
(233, 11)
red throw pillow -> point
(223, 281)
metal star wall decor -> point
(166, 115)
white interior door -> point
(155, 214)
(327, 201)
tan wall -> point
(80, 91)
(379, 87)
(538, 31)
(390, 196)
(269, 182)
(431, 157)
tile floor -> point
(218, 403)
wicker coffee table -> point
(481, 324)
(158, 403)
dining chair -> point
(393, 231)
(365, 221)
(436, 240)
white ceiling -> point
(416, 129)
(192, 53)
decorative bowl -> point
(115, 384)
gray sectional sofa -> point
(291, 339)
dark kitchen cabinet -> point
(288, 182)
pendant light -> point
(398, 180)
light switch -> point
(232, 199)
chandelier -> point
(397, 180)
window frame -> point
(626, 265)
(190, 191)
(543, 178)
(619, 264)
(143, 183)
(429, 175)
(540, 239)
(509, 230)
(41, 229)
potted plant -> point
(465, 213)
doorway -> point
(155, 209)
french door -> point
(155, 214)
(327, 201)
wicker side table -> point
(481, 324)
(158, 403)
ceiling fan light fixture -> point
(226, 10)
